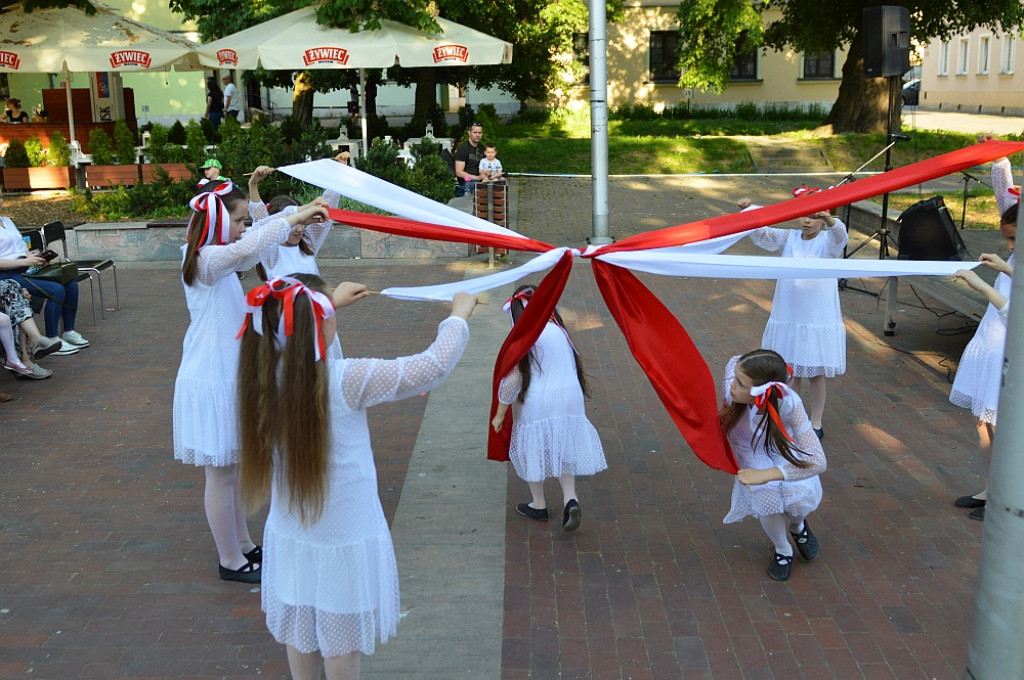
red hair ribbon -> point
(1014, 191)
(762, 394)
(804, 190)
(287, 289)
(217, 225)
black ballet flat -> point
(254, 555)
(571, 516)
(526, 510)
(820, 432)
(250, 573)
(969, 502)
(779, 568)
(806, 543)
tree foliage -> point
(713, 32)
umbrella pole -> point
(362, 108)
(71, 111)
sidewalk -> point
(109, 569)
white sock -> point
(775, 528)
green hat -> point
(211, 163)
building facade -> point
(978, 72)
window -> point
(983, 52)
(581, 55)
(943, 58)
(663, 57)
(744, 65)
(962, 57)
(819, 65)
(1009, 54)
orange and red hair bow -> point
(287, 289)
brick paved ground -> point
(109, 569)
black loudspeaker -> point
(886, 41)
(927, 232)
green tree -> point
(713, 32)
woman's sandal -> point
(250, 573)
(17, 368)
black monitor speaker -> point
(886, 41)
(927, 232)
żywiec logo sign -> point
(9, 60)
(225, 57)
(451, 53)
(325, 55)
(130, 58)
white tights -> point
(7, 338)
(566, 481)
(307, 666)
(778, 527)
(226, 515)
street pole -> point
(599, 121)
(995, 652)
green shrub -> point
(16, 156)
(431, 178)
(291, 129)
(34, 149)
(159, 149)
(212, 136)
(101, 147)
(381, 160)
(60, 151)
(312, 143)
(163, 198)
(177, 133)
(195, 142)
(124, 144)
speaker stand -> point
(968, 178)
(882, 233)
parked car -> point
(911, 92)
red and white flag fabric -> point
(685, 385)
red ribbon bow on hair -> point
(1014, 191)
(803, 190)
(217, 225)
(762, 395)
(287, 289)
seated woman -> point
(20, 348)
(14, 114)
(15, 259)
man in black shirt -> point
(467, 158)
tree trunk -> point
(863, 103)
(426, 94)
(302, 99)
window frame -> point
(584, 39)
(984, 54)
(963, 61)
(805, 57)
(943, 58)
(662, 78)
(1008, 55)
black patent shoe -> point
(526, 510)
(969, 502)
(779, 568)
(806, 543)
(249, 573)
(820, 432)
(571, 516)
(978, 514)
(254, 555)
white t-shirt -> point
(12, 243)
(493, 166)
(230, 97)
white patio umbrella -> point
(69, 40)
(295, 42)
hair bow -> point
(803, 189)
(1014, 191)
(287, 289)
(762, 399)
(523, 296)
(217, 225)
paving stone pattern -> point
(109, 569)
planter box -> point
(104, 176)
(37, 178)
(177, 171)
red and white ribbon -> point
(286, 289)
(762, 400)
(217, 225)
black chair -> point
(54, 231)
(37, 242)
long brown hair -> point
(763, 366)
(195, 234)
(290, 415)
(516, 308)
(274, 206)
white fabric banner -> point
(365, 188)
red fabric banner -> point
(673, 364)
(518, 344)
(436, 232)
(807, 204)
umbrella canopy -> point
(295, 42)
(54, 40)
(68, 40)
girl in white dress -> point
(778, 453)
(551, 436)
(979, 374)
(330, 584)
(205, 388)
(806, 323)
(297, 255)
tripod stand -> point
(882, 233)
(968, 177)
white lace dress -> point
(333, 586)
(205, 394)
(551, 435)
(286, 259)
(806, 324)
(800, 494)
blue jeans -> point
(53, 313)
